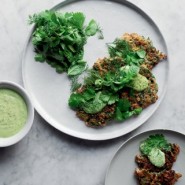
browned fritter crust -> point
(153, 56)
(170, 157)
(107, 64)
(98, 119)
(166, 177)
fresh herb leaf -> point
(137, 111)
(39, 58)
(92, 28)
(105, 97)
(118, 114)
(89, 94)
(123, 77)
(95, 105)
(113, 99)
(77, 69)
(76, 100)
(78, 19)
(123, 110)
(154, 141)
(121, 48)
(123, 105)
(141, 53)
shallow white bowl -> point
(17, 137)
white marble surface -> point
(48, 157)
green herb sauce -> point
(13, 113)
(139, 83)
(157, 157)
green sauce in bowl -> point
(13, 112)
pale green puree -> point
(157, 157)
(139, 83)
(13, 112)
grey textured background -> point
(48, 157)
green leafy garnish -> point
(123, 110)
(76, 100)
(91, 101)
(94, 106)
(92, 28)
(154, 141)
(121, 48)
(77, 69)
(59, 39)
(115, 80)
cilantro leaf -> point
(75, 100)
(92, 28)
(89, 94)
(77, 69)
(95, 105)
(124, 105)
(123, 110)
(113, 99)
(78, 19)
(39, 57)
(154, 141)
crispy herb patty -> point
(120, 86)
(137, 42)
(152, 174)
(138, 100)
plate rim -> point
(133, 137)
(106, 136)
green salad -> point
(59, 39)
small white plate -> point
(50, 91)
(122, 167)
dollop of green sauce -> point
(157, 157)
(13, 113)
(139, 83)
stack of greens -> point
(59, 39)
(119, 86)
(104, 84)
(103, 90)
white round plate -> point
(50, 91)
(122, 167)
